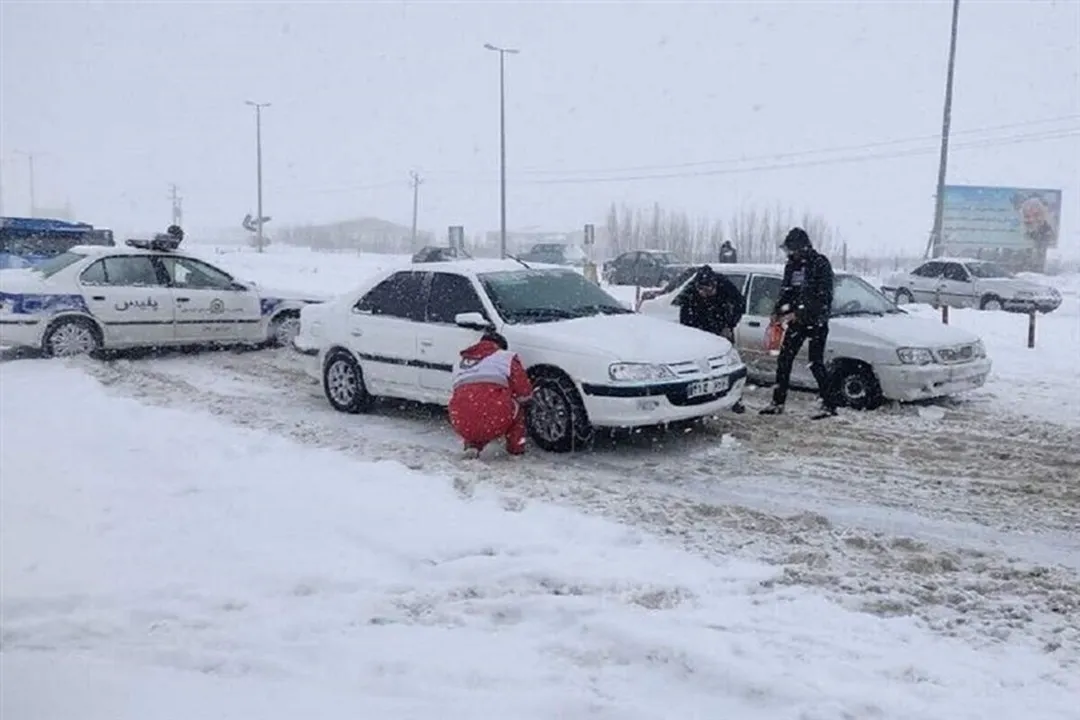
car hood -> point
(903, 330)
(625, 338)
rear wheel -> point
(904, 297)
(343, 383)
(991, 302)
(557, 420)
(68, 338)
(284, 329)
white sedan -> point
(144, 294)
(875, 350)
(593, 362)
(968, 283)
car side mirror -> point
(472, 321)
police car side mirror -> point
(472, 320)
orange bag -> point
(774, 338)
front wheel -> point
(857, 387)
(343, 384)
(991, 303)
(284, 329)
(557, 420)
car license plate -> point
(710, 386)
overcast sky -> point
(121, 99)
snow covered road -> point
(164, 564)
(950, 513)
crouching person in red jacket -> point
(490, 391)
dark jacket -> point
(715, 314)
(728, 254)
(807, 289)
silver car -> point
(966, 283)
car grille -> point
(958, 354)
(705, 366)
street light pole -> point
(502, 142)
(30, 166)
(258, 172)
(934, 246)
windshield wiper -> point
(604, 309)
(544, 312)
(852, 313)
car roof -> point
(955, 260)
(476, 266)
(124, 250)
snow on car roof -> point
(486, 265)
(120, 250)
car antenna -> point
(518, 260)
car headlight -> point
(638, 372)
(980, 349)
(915, 356)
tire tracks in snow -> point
(873, 509)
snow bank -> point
(158, 564)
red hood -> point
(480, 350)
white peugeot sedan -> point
(875, 350)
(143, 294)
(967, 283)
(593, 362)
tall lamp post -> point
(258, 172)
(502, 142)
(30, 167)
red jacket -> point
(485, 363)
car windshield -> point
(987, 270)
(667, 258)
(854, 296)
(55, 264)
(530, 296)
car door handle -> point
(754, 323)
(427, 343)
(99, 298)
(357, 333)
(183, 300)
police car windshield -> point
(530, 296)
(55, 264)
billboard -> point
(998, 219)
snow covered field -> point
(915, 562)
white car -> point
(966, 283)
(143, 294)
(593, 362)
(875, 350)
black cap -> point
(796, 239)
(175, 231)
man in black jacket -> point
(805, 302)
(712, 303)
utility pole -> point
(258, 172)
(30, 166)
(502, 142)
(177, 206)
(934, 248)
(416, 181)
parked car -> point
(555, 254)
(433, 253)
(593, 362)
(142, 294)
(643, 268)
(966, 283)
(876, 350)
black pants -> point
(794, 338)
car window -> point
(854, 296)
(928, 270)
(738, 280)
(53, 265)
(956, 272)
(450, 296)
(195, 274)
(986, 270)
(400, 295)
(122, 271)
(764, 292)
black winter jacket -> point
(714, 314)
(807, 289)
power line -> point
(802, 153)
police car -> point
(145, 293)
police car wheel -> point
(68, 338)
(343, 384)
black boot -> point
(738, 408)
(773, 409)
(826, 411)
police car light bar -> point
(160, 243)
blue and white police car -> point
(145, 293)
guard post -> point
(589, 241)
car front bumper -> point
(1026, 305)
(906, 383)
(627, 406)
(20, 331)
